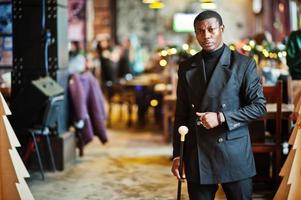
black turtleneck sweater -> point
(211, 59)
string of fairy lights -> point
(184, 51)
(250, 48)
(253, 49)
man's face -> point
(209, 34)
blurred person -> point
(109, 58)
(218, 94)
(125, 59)
(136, 55)
(293, 57)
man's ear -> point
(223, 27)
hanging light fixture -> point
(208, 4)
(156, 5)
(149, 1)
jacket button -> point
(220, 140)
(192, 105)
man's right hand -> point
(175, 169)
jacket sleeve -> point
(252, 97)
(182, 111)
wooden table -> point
(147, 80)
(140, 88)
(287, 110)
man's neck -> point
(215, 53)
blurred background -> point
(74, 69)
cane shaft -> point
(181, 159)
(180, 170)
(179, 190)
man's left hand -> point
(209, 119)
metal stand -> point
(38, 154)
(34, 133)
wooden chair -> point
(271, 144)
(119, 95)
(293, 89)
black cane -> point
(183, 130)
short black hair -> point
(206, 15)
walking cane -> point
(183, 130)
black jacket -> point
(224, 153)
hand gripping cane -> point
(183, 130)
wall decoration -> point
(76, 20)
(5, 18)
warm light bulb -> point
(163, 63)
(154, 102)
(208, 4)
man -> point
(218, 94)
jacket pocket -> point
(237, 133)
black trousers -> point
(238, 190)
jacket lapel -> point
(196, 78)
(220, 77)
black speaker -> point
(29, 105)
